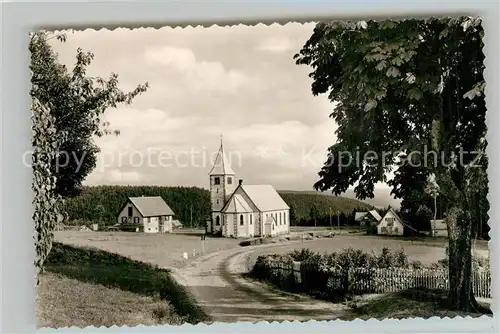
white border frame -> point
(18, 291)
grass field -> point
(166, 250)
(412, 303)
(90, 287)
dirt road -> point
(216, 283)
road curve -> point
(215, 282)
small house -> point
(392, 224)
(176, 224)
(439, 228)
(368, 218)
(146, 214)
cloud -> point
(202, 75)
(275, 45)
(238, 81)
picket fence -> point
(301, 276)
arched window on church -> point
(241, 219)
(251, 218)
(217, 221)
(217, 181)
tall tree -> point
(404, 90)
(77, 103)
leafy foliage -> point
(66, 112)
(47, 204)
(387, 80)
(402, 87)
(77, 103)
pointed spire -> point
(221, 165)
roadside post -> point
(203, 243)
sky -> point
(238, 82)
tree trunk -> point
(461, 296)
(435, 213)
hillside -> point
(192, 204)
(304, 205)
(382, 199)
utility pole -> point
(338, 221)
(191, 224)
(331, 226)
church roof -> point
(221, 164)
(265, 197)
(236, 204)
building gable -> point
(237, 204)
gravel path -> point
(216, 283)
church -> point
(244, 211)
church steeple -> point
(221, 164)
(222, 185)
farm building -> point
(240, 210)
(368, 218)
(176, 224)
(438, 228)
(392, 224)
(146, 214)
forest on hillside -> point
(100, 204)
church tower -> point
(222, 185)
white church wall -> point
(216, 227)
(282, 223)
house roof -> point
(359, 215)
(151, 206)
(236, 204)
(176, 223)
(221, 164)
(265, 197)
(375, 215)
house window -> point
(390, 221)
(130, 213)
(136, 220)
(229, 180)
(396, 229)
(241, 219)
(217, 221)
(280, 218)
(251, 218)
(217, 181)
(273, 226)
(217, 201)
(383, 229)
(124, 219)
